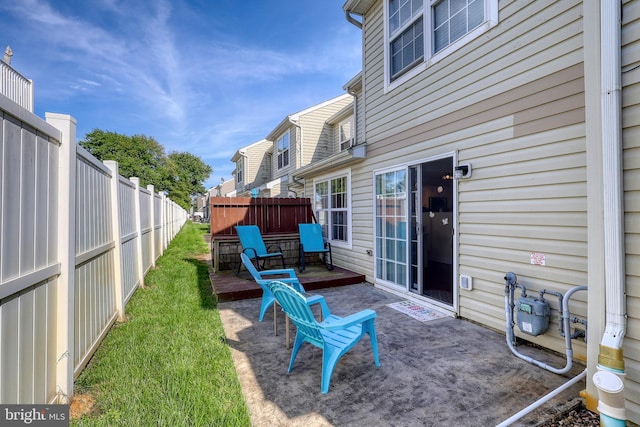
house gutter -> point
(352, 20)
(610, 357)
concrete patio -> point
(444, 372)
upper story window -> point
(239, 171)
(453, 19)
(345, 134)
(406, 31)
(283, 150)
(422, 31)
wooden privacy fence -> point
(76, 239)
(271, 215)
(277, 218)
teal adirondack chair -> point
(268, 300)
(312, 241)
(334, 335)
(253, 245)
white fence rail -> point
(16, 87)
(76, 239)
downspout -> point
(610, 358)
(358, 24)
(245, 164)
(299, 146)
(355, 116)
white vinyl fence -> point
(76, 239)
(15, 86)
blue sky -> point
(202, 76)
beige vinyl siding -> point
(512, 104)
(508, 57)
(257, 164)
(631, 162)
(317, 134)
(528, 196)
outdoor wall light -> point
(462, 171)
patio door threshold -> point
(442, 308)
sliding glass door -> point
(391, 227)
(414, 229)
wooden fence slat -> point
(271, 215)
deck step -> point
(229, 286)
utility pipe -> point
(565, 319)
(610, 357)
(543, 400)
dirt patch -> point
(81, 404)
(203, 257)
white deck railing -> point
(16, 87)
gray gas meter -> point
(533, 315)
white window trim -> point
(341, 141)
(491, 14)
(288, 133)
(240, 171)
(345, 173)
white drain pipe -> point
(610, 357)
(543, 400)
(511, 284)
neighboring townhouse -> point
(328, 181)
(301, 139)
(225, 188)
(495, 144)
(199, 209)
(253, 168)
(206, 209)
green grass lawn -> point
(168, 363)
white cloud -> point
(162, 69)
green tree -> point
(180, 174)
(136, 155)
(188, 172)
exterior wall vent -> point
(466, 282)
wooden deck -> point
(229, 286)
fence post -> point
(152, 221)
(136, 204)
(66, 229)
(118, 283)
(163, 221)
